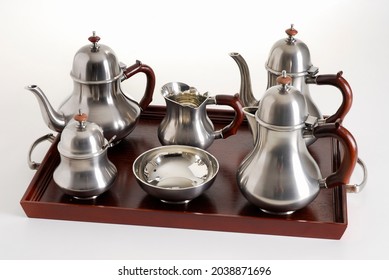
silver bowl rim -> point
(176, 148)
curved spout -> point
(245, 92)
(53, 120)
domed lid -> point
(95, 63)
(283, 107)
(81, 139)
(292, 55)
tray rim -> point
(203, 221)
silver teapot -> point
(280, 176)
(97, 75)
(84, 171)
(293, 56)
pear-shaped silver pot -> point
(97, 75)
(280, 176)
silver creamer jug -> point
(186, 121)
(280, 176)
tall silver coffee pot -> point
(293, 56)
(280, 176)
(97, 76)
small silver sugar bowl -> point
(84, 171)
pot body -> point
(186, 121)
(187, 125)
(85, 178)
(279, 176)
(106, 105)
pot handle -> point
(338, 81)
(349, 160)
(32, 164)
(235, 103)
(150, 82)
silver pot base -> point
(175, 202)
(85, 198)
(277, 213)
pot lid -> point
(95, 63)
(283, 107)
(292, 55)
(81, 139)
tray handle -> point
(356, 188)
(32, 164)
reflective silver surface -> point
(282, 105)
(85, 178)
(186, 121)
(96, 75)
(289, 54)
(95, 64)
(280, 176)
(292, 55)
(245, 92)
(249, 113)
(81, 139)
(84, 170)
(33, 164)
(175, 173)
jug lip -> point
(178, 89)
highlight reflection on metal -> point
(175, 173)
(186, 121)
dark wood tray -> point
(221, 208)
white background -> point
(189, 41)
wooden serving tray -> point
(220, 208)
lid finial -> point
(94, 40)
(284, 79)
(291, 32)
(81, 118)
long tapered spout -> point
(245, 92)
(53, 120)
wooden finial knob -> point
(284, 79)
(81, 117)
(291, 31)
(94, 39)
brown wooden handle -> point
(338, 81)
(150, 82)
(235, 103)
(349, 160)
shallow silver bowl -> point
(175, 173)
